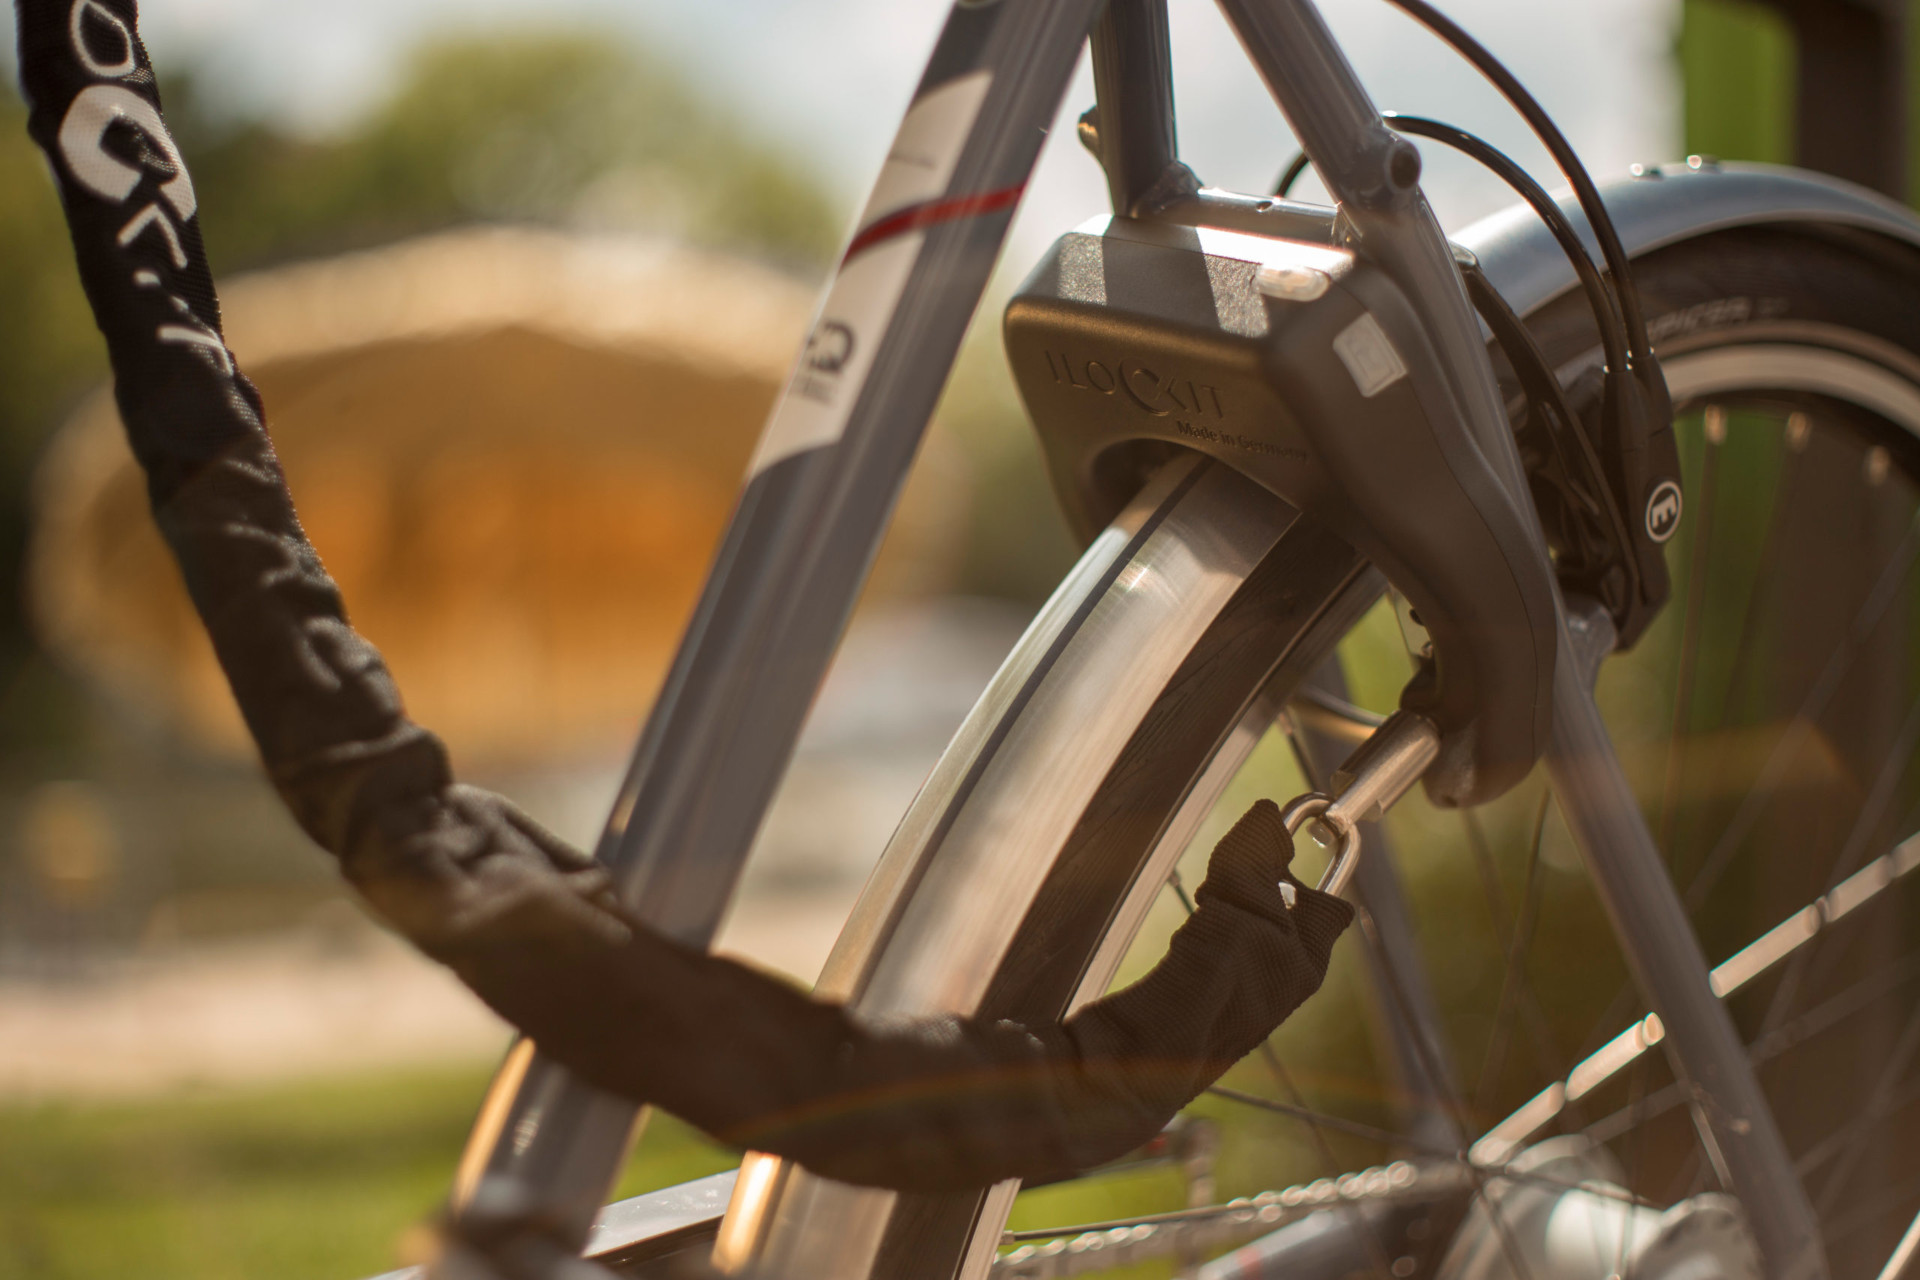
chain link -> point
(1102, 1246)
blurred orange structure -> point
(514, 450)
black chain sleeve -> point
(530, 924)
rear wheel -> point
(1769, 720)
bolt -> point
(1403, 167)
(1089, 130)
(1291, 282)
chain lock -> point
(1374, 777)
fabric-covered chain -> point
(530, 924)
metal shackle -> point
(1341, 866)
(1376, 775)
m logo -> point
(1663, 511)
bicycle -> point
(1519, 503)
(1125, 710)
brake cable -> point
(1636, 410)
(1547, 399)
(1606, 313)
(1291, 174)
(1543, 389)
(1563, 155)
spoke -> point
(1885, 784)
(1456, 1111)
(1637, 1146)
(1302, 757)
(1319, 1119)
(1817, 1156)
(1800, 727)
(1179, 888)
(1519, 946)
(1873, 1113)
(1758, 595)
(1714, 432)
(1539, 1030)
(1489, 873)
(1727, 977)
(1875, 1204)
(1330, 1162)
(1690, 1180)
(1655, 1105)
(1903, 1253)
(1824, 1016)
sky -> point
(829, 78)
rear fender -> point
(1672, 203)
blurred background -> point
(518, 288)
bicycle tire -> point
(1781, 317)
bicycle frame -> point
(836, 452)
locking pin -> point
(1374, 777)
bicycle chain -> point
(1205, 1230)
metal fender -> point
(1665, 205)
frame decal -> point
(907, 199)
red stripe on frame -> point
(931, 213)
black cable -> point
(1291, 174)
(1548, 398)
(1563, 155)
(1605, 304)
(1530, 363)
(1537, 379)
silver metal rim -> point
(1781, 366)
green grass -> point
(314, 1180)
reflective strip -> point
(1765, 951)
(1500, 1142)
(1614, 1056)
(1902, 1260)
